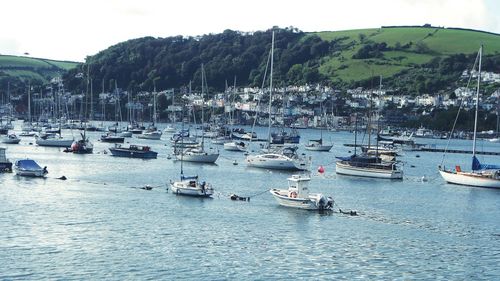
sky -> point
(72, 30)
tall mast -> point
(270, 92)
(154, 104)
(477, 101)
(29, 103)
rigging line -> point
(458, 113)
(260, 193)
(258, 102)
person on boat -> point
(203, 186)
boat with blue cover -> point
(29, 168)
(133, 151)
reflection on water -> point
(100, 222)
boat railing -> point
(383, 165)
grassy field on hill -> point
(403, 52)
(33, 68)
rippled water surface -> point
(99, 224)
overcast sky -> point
(72, 30)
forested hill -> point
(411, 59)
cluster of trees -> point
(172, 62)
(371, 50)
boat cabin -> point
(298, 186)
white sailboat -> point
(53, 140)
(279, 159)
(199, 154)
(190, 185)
(297, 195)
(481, 175)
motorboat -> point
(133, 151)
(284, 158)
(29, 168)
(10, 139)
(82, 146)
(235, 146)
(297, 195)
(150, 135)
(5, 164)
(169, 129)
(112, 138)
(53, 140)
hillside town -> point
(297, 106)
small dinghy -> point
(297, 195)
(29, 168)
(10, 139)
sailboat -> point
(229, 143)
(365, 165)
(152, 133)
(199, 154)
(282, 159)
(190, 185)
(318, 145)
(83, 145)
(170, 129)
(481, 175)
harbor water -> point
(100, 224)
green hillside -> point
(35, 69)
(407, 48)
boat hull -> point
(54, 143)
(276, 164)
(469, 179)
(344, 169)
(133, 154)
(200, 158)
(232, 146)
(11, 141)
(180, 189)
(147, 136)
(318, 147)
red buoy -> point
(321, 170)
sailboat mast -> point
(202, 106)
(29, 103)
(270, 92)
(477, 101)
